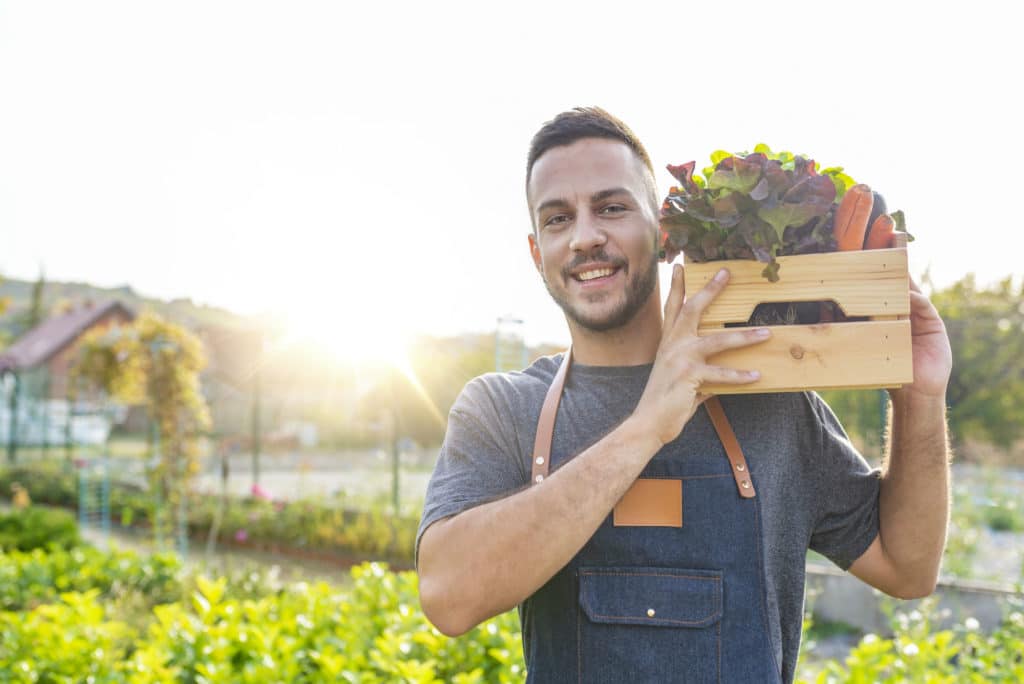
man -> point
(715, 594)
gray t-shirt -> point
(816, 490)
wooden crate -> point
(864, 354)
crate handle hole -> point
(793, 313)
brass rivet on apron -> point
(540, 460)
(745, 484)
(539, 478)
(650, 612)
(739, 467)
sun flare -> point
(351, 341)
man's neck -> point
(634, 344)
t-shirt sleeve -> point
(846, 491)
(478, 461)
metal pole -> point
(256, 410)
(182, 510)
(12, 384)
(256, 388)
(104, 462)
(46, 416)
(395, 451)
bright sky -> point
(362, 163)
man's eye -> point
(613, 209)
(556, 220)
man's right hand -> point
(673, 392)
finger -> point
(717, 342)
(914, 286)
(731, 376)
(695, 305)
(676, 297)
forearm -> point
(914, 500)
(488, 559)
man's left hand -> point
(933, 357)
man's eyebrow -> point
(551, 204)
(610, 192)
(596, 197)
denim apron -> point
(659, 604)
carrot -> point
(852, 218)
(881, 233)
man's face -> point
(595, 231)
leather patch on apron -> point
(651, 503)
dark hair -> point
(580, 123)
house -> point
(35, 372)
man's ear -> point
(535, 253)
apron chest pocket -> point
(649, 624)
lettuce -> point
(757, 205)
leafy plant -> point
(303, 633)
(327, 525)
(753, 206)
(37, 528)
(155, 363)
(919, 653)
(30, 578)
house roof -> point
(49, 337)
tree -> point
(862, 413)
(986, 331)
(34, 314)
(155, 363)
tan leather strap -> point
(546, 423)
(732, 447)
(546, 431)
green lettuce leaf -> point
(757, 205)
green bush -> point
(917, 653)
(310, 524)
(1004, 517)
(371, 633)
(38, 528)
(68, 626)
(50, 483)
(70, 641)
(28, 579)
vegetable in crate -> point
(764, 205)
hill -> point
(57, 295)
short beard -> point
(638, 288)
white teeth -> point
(599, 273)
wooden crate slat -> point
(849, 355)
(863, 283)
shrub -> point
(309, 524)
(916, 653)
(37, 528)
(28, 579)
(373, 632)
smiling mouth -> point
(594, 274)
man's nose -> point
(586, 234)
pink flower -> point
(241, 536)
(260, 493)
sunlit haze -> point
(358, 168)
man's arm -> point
(490, 558)
(904, 559)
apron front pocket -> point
(649, 624)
